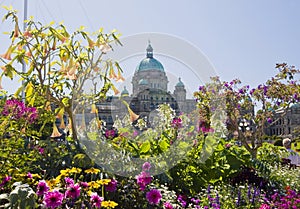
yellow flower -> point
(109, 204)
(94, 109)
(65, 172)
(93, 185)
(75, 170)
(92, 170)
(52, 182)
(103, 181)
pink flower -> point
(5, 180)
(264, 206)
(42, 188)
(96, 200)
(73, 191)
(143, 179)
(168, 205)
(153, 196)
(112, 185)
(69, 181)
(177, 123)
(146, 166)
(29, 175)
(53, 199)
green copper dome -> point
(150, 63)
(143, 82)
(180, 84)
(124, 92)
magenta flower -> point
(264, 206)
(153, 196)
(96, 200)
(29, 175)
(5, 180)
(146, 166)
(177, 123)
(84, 185)
(53, 199)
(112, 185)
(42, 188)
(269, 120)
(143, 179)
(168, 205)
(110, 133)
(73, 191)
(69, 181)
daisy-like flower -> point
(109, 204)
(53, 199)
(146, 166)
(69, 181)
(96, 200)
(73, 191)
(153, 196)
(112, 185)
(42, 188)
(92, 170)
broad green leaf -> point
(145, 147)
(163, 145)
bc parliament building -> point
(150, 89)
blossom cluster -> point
(17, 109)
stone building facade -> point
(150, 89)
(286, 122)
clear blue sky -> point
(242, 39)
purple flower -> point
(53, 199)
(84, 184)
(146, 166)
(110, 134)
(177, 123)
(182, 200)
(5, 180)
(29, 175)
(264, 206)
(143, 179)
(42, 188)
(168, 205)
(96, 200)
(69, 181)
(73, 191)
(112, 185)
(153, 196)
(269, 120)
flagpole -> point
(23, 63)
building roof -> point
(149, 63)
(125, 92)
(180, 84)
(143, 82)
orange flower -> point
(62, 124)
(120, 77)
(112, 74)
(27, 34)
(104, 48)
(47, 106)
(7, 54)
(132, 115)
(55, 132)
(116, 91)
(94, 109)
(16, 32)
(91, 43)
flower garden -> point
(199, 160)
